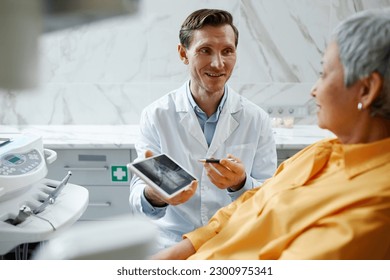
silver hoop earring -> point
(360, 106)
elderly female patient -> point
(332, 199)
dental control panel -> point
(22, 162)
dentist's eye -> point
(204, 51)
(228, 51)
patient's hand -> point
(180, 251)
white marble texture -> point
(105, 73)
(80, 136)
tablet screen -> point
(165, 173)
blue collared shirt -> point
(208, 124)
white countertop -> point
(124, 136)
(299, 136)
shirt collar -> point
(359, 158)
(195, 106)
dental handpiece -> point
(24, 212)
(53, 195)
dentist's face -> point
(211, 57)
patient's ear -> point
(371, 88)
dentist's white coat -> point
(169, 125)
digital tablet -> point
(163, 174)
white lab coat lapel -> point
(227, 124)
(188, 117)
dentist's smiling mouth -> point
(214, 75)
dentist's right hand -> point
(157, 200)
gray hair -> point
(364, 48)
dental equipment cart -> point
(33, 208)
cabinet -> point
(103, 172)
(284, 154)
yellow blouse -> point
(329, 201)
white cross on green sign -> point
(119, 174)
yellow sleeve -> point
(217, 222)
(360, 233)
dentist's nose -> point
(217, 61)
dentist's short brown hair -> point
(205, 17)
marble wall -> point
(105, 73)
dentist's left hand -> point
(227, 174)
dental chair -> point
(123, 238)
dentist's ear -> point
(182, 53)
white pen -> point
(214, 160)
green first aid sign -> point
(119, 174)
